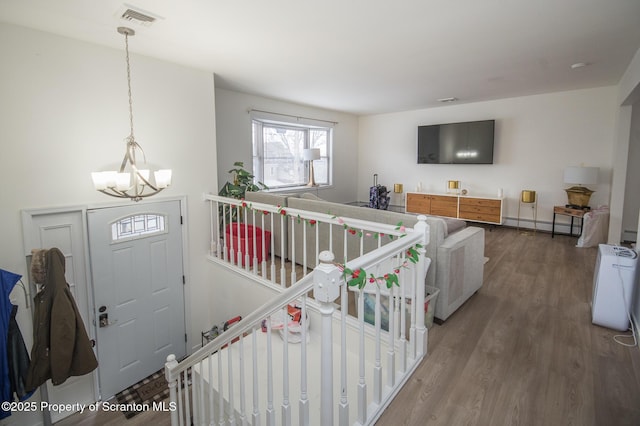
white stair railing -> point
(342, 371)
(244, 233)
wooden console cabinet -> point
(475, 209)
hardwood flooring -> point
(522, 351)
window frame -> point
(258, 148)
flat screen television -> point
(456, 143)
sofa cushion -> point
(453, 225)
(310, 196)
(275, 199)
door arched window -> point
(137, 226)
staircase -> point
(328, 368)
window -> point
(277, 153)
(136, 226)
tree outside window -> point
(278, 154)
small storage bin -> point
(240, 237)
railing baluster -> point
(377, 368)
(304, 399)
(362, 384)
(255, 417)
(403, 319)
(212, 219)
(239, 252)
(283, 269)
(345, 243)
(273, 250)
(200, 394)
(243, 413)
(231, 417)
(317, 254)
(304, 249)
(271, 413)
(187, 406)
(393, 304)
(264, 248)
(330, 238)
(225, 242)
(344, 401)
(211, 398)
(255, 241)
(180, 401)
(247, 257)
(220, 391)
(293, 252)
(286, 407)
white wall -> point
(234, 138)
(64, 113)
(631, 199)
(536, 138)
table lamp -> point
(578, 196)
(311, 155)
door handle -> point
(103, 319)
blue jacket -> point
(14, 358)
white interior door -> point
(66, 231)
(136, 265)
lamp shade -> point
(311, 154)
(581, 175)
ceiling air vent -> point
(139, 17)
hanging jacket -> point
(61, 347)
(14, 359)
(18, 359)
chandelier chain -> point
(126, 42)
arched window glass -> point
(137, 226)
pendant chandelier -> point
(130, 181)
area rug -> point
(153, 388)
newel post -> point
(421, 274)
(326, 289)
(173, 384)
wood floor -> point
(522, 351)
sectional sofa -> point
(455, 249)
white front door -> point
(136, 264)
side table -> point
(568, 211)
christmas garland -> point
(359, 277)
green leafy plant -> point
(242, 182)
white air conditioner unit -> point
(613, 282)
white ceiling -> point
(367, 56)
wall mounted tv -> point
(456, 143)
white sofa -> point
(457, 256)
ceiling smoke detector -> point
(136, 16)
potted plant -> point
(242, 182)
